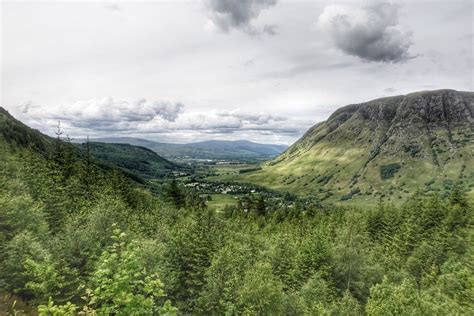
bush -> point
(388, 171)
(249, 170)
(346, 197)
(412, 149)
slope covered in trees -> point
(134, 159)
(214, 149)
(75, 237)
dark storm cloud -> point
(372, 33)
(231, 14)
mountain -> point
(17, 133)
(138, 163)
(137, 160)
(213, 149)
(385, 148)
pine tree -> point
(175, 195)
(260, 207)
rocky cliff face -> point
(384, 147)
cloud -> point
(227, 122)
(372, 33)
(106, 113)
(108, 117)
(306, 68)
(270, 29)
(389, 90)
(231, 14)
(252, 118)
(112, 7)
(249, 63)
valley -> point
(237, 157)
(360, 212)
(363, 155)
(383, 149)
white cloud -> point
(372, 33)
(106, 113)
(112, 6)
(109, 116)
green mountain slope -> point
(134, 159)
(385, 148)
(138, 163)
(214, 149)
(17, 133)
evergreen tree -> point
(175, 195)
(260, 207)
(120, 284)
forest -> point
(80, 239)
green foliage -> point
(260, 293)
(52, 309)
(317, 295)
(28, 268)
(246, 170)
(412, 149)
(260, 207)
(121, 284)
(175, 195)
(98, 244)
(136, 160)
(188, 256)
(224, 277)
(388, 171)
(395, 299)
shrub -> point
(388, 171)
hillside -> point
(73, 234)
(15, 132)
(133, 159)
(385, 148)
(214, 149)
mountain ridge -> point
(137, 163)
(429, 131)
(210, 149)
(137, 160)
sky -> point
(259, 70)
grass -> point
(342, 167)
(230, 172)
(219, 201)
(365, 160)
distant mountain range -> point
(213, 149)
(385, 148)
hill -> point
(137, 160)
(385, 148)
(214, 149)
(15, 132)
(138, 163)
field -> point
(219, 201)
